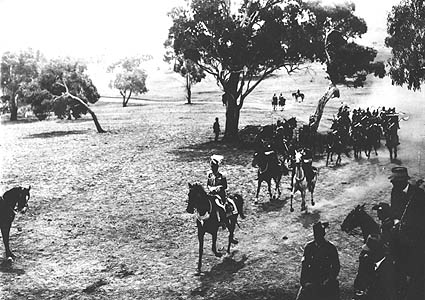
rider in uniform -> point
(320, 268)
(308, 168)
(217, 185)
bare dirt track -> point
(107, 215)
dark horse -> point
(269, 168)
(16, 197)
(207, 219)
(372, 138)
(358, 217)
(392, 141)
(336, 146)
(297, 95)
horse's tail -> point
(237, 198)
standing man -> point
(216, 129)
(274, 101)
(320, 268)
(282, 101)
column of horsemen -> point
(392, 260)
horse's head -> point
(23, 198)
(352, 220)
(258, 158)
(298, 156)
(196, 193)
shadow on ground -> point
(221, 273)
(233, 154)
(307, 219)
(53, 134)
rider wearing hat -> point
(376, 273)
(399, 194)
(320, 268)
(408, 205)
(217, 185)
(387, 228)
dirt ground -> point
(107, 213)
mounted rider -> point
(217, 185)
(307, 164)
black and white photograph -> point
(212, 149)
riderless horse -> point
(297, 95)
(269, 168)
(16, 197)
(299, 181)
(207, 219)
(358, 217)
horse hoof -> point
(218, 254)
(234, 241)
(292, 210)
(303, 208)
(312, 203)
(9, 259)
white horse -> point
(299, 181)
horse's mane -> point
(197, 187)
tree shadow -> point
(307, 219)
(233, 155)
(220, 273)
(53, 134)
(7, 267)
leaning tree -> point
(70, 89)
(336, 29)
(241, 49)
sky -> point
(115, 28)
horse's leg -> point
(269, 186)
(303, 206)
(201, 234)
(232, 240)
(258, 189)
(338, 159)
(292, 195)
(214, 245)
(327, 158)
(391, 152)
(5, 231)
(312, 200)
(395, 152)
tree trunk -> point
(13, 108)
(96, 122)
(232, 108)
(124, 103)
(332, 92)
(188, 89)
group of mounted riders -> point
(364, 131)
(392, 260)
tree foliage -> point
(187, 68)
(62, 75)
(406, 30)
(18, 70)
(130, 78)
(242, 49)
